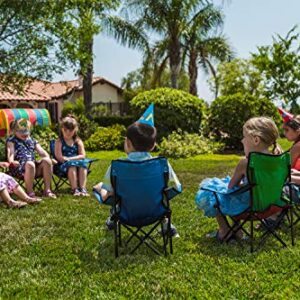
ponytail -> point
(276, 149)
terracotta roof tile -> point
(39, 90)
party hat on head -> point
(285, 115)
(148, 116)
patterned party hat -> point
(148, 116)
(285, 115)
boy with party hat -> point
(139, 142)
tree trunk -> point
(87, 82)
(193, 72)
(175, 63)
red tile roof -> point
(39, 90)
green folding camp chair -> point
(266, 175)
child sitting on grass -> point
(8, 185)
(140, 140)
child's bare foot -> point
(16, 204)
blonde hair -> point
(266, 130)
(69, 122)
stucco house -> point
(53, 95)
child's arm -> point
(239, 173)
(39, 149)
(295, 153)
(58, 152)
(11, 154)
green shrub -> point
(112, 120)
(174, 109)
(106, 138)
(76, 108)
(43, 135)
(229, 113)
(2, 149)
(182, 144)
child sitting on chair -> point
(8, 186)
(70, 153)
(21, 158)
(259, 134)
(140, 140)
(291, 128)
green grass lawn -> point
(61, 249)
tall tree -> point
(168, 19)
(203, 46)
(85, 19)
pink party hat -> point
(285, 115)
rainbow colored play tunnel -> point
(38, 116)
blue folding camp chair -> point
(141, 198)
(59, 179)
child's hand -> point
(66, 158)
(15, 163)
(4, 164)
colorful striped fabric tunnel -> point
(38, 116)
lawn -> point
(61, 249)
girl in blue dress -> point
(259, 134)
(70, 153)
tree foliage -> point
(28, 49)
(279, 64)
(174, 109)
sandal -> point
(76, 192)
(84, 192)
(31, 195)
(216, 235)
(16, 204)
(50, 194)
(31, 200)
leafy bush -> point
(43, 135)
(2, 149)
(182, 144)
(112, 120)
(106, 138)
(173, 109)
(229, 113)
(76, 108)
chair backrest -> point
(138, 188)
(267, 173)
(52, 148)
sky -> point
(248, 24)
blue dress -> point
(61, 169)
(230, 205)
(24, 151)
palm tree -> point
(168, 19)
(202, 46)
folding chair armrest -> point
(170, 193)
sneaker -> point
(109, 223)
(84, 192)
(76, 192)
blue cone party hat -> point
(148, 116)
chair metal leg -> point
(292, 225)
(169, 234)
(119, 235)
(116, 238)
